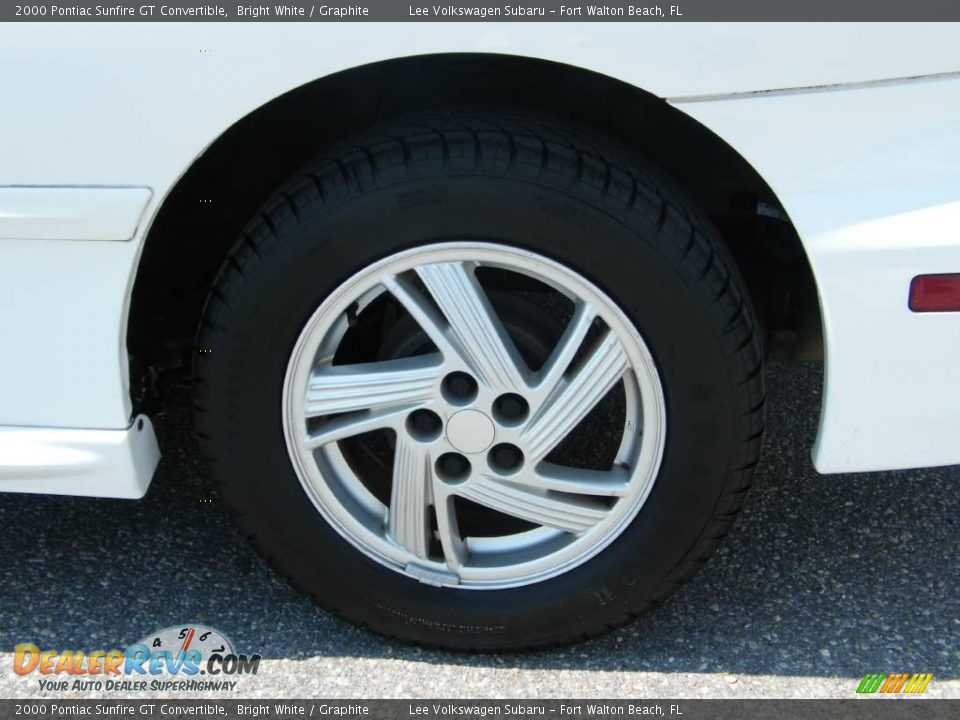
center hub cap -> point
(470, 431)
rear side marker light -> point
(935, 293)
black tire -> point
(539, 184)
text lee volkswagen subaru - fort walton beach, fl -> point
(477, 315)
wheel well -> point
(205, 211)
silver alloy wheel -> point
(448, 412)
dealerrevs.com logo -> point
(186, 658)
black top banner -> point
(489, 11)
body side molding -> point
(71, 212)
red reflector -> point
(935, 293)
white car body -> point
(852, 126)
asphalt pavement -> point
(823, 579)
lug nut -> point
(459, 388)
(510, 409)
(424, 425)
(505, 458)
(453, 467)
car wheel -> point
(481, 381)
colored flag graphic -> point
(889, 683)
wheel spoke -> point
(474, 331)
(605, 483)
(368, 396)
(408, 521)
(353, 424)
(448, 530)
(570, 514)
(426, 316)
(371, 386)
(558, 362)
(573, 397)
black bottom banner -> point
(860, 708)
